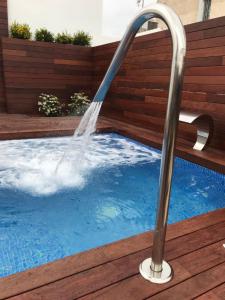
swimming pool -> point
(43, 218)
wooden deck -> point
(194, 248)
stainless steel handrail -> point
(156, 269)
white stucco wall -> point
(59, 15)
(105, 20)
(117, 14)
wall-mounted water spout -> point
(156, 269)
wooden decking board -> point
(203, 231)
(51, 272)
(194, 286)
(136, 288)
(215, 294)
(109, 273)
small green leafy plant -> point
(64, 38)
(82, 38)
(20, 31)
(78, 104)
(44, 35)
(50, 105)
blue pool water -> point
(40, 223)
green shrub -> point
(44, 35)
(78, 104)
(20, 31)
(50, 105)
(64, 38)
(82, 38)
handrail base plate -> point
(156, 277)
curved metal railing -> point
(156, 269)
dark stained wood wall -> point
(3, 33)
(31, 68)
(139, 93)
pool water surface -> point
(114, 197)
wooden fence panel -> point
(3, 32)
(139, 92)
(32, 68)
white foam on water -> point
(29, 165)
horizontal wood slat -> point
(3, 32)
(145, 73)
(139, 92)
(31, 68)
